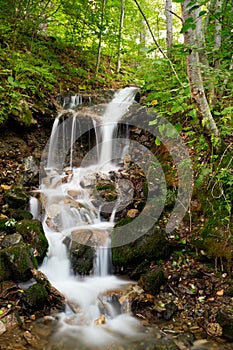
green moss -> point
(16, 197)
(152, 246)
(36, 297)
(19, 260)
(32, 232)
(105, 187)
(20, 214)
(4, 270)
(152, 281)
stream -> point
(98, 319)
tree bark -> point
(195, 76)
(169, 29)
(100, 35)
(121, 25)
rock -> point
(100, 320)
(13, 239)
(33, 234)
(20, 214)
(2, 328)
(30, 171)
(171, 309)
(81, 255)
(56, 299)
(152, 281)
(152, 245)
(16, 197)
(5, 272)
(35, 298)
(132, 213)
(225, 320)
(18, 260)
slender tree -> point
(101, 30)
(169, 28)
(194, 73)
(121, 24)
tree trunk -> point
(195, 76)
(100, 35)
(217, 30)
(205, 68)
(121, 25)
(169, 29)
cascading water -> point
(69, 212)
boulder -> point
(33, 234)
(152, 280)
(18, 262)
(16, 197)
(225, 319)
(151, 246)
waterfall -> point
(69, 210)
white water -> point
(69, 209)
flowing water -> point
(97, 319)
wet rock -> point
(35, 298)
(81, 255)
(18, 262)
(56, 299)
(30, 171)
(33, 234)
(225, 319)
(19, 214)
(16, 197)
(152, 245)
(152, 281)
(100, 320)
(5, 272)
(13, 239)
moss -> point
(16, 197)
(32, 232)
(152, 246)
(20, 214)
(35, 297)
(4, 271)
(152, 281)
(105, 187)
(19, 260)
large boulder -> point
(152, 246)
(17, 261)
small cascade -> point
(70, 213)
(34, 207)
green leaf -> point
(157, 141)
(202, 13)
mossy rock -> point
(4, 269)
(20, 214)
(33, 234)
(152, 246)
(152, 281)
(16, 197)
(10, 240)
(82, 259)
(19, 261)
(225, 319)
(35, 298)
